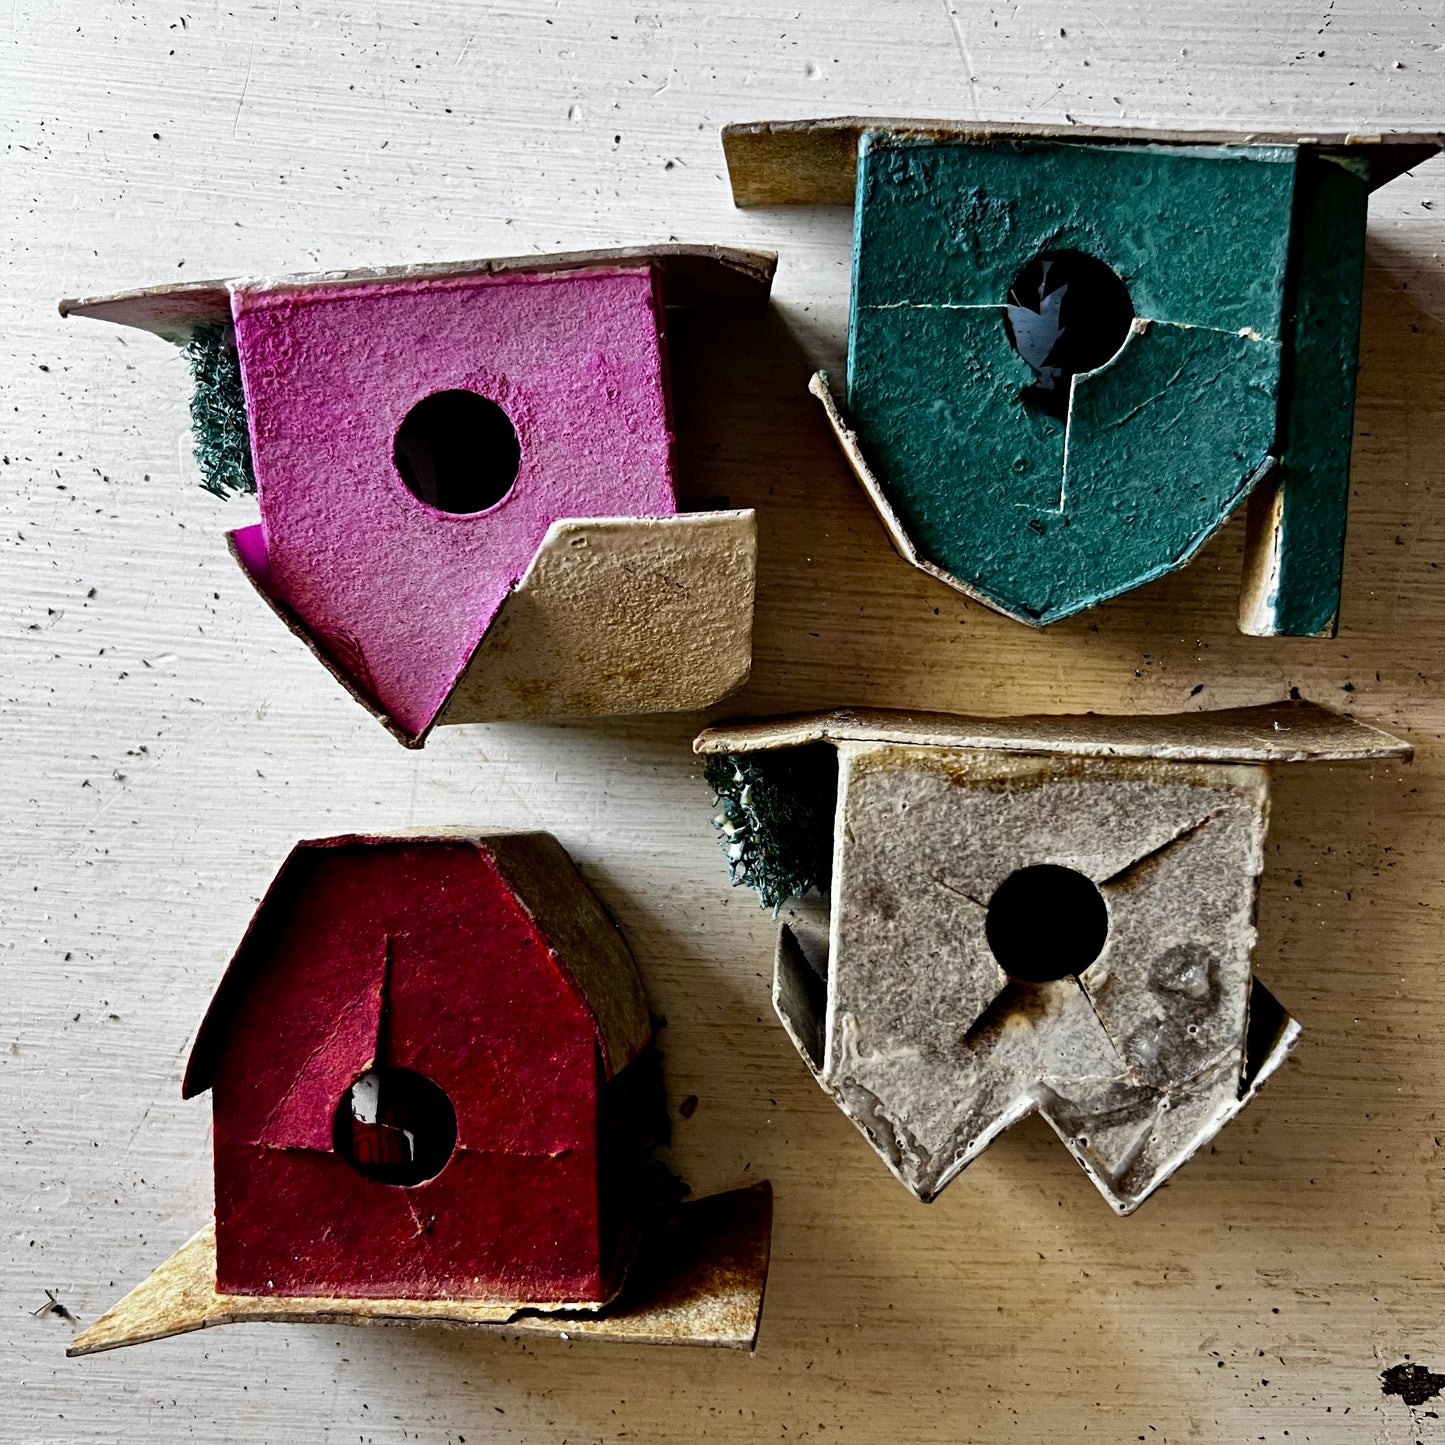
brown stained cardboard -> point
(933, 1038)
(814, 162)
(619, 615)
(699, 1280)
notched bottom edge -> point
(800, 965)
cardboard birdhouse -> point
(466, 480)
(433, 1096)
(1049, 915)
(1073, 353)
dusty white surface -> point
(165, 741)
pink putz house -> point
(466, 478)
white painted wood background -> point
(164, 740)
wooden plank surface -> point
(166, 741)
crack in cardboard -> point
(1113, 1042)
(421, 1228)
(1188, 830)
(342, 1019)
(958, 892)
(1138, 326)
(995, 1011)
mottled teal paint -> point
(1164, 439)
(1317, 420)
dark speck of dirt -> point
(688, 1107)
(1414, 1384)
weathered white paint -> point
(313, 134)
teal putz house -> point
(1072, 356)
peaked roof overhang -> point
(585, 943)
(814, 162)
(1282, 732)
(691, 276)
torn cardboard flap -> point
(1035, 915)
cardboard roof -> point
(691, 276)
(585, 942)
(1283, 732)
(814, 162)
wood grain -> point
(166, 741)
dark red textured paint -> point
(423, 946)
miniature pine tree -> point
(218, 412)
(775, 819)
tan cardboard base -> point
(698, 1279)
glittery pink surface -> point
(397, 592)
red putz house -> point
(423, 1062)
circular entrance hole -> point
(1046, 922)
(395, 1126)
(1067, 312)
(457, 451)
